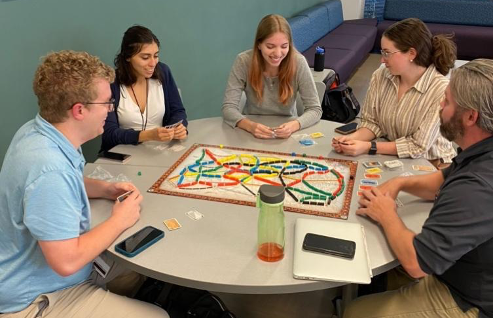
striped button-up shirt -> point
(411, 122)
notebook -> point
(317, 266)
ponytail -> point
(443, 52)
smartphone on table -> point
(139, 241)
(121, 157)
(329, 245)
(346, 129)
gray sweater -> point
(303, 84)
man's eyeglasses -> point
(387, 54)
(110, 104)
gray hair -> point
(471, 87)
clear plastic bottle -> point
(271, 223)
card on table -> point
(194, 215)
(372, 176)
(172, 224)
(369, 182)
(372, 164)
(423, 168)
(393, 164)
(365, 187)
(373, 170)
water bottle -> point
(319, 59)
(271, 223)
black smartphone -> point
(346, 129)
(139, 241)
(329, 245)
(123, 158)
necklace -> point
(144, 124)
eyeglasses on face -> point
(386, 54)
(110, 104)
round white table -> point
(218, 252)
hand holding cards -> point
(174, 125)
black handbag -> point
(340, 104)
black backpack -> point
(339, 104)
(183, 302)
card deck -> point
(372, 164)
(373, 170)
(172, 224)
(174, 125)
(124, 196)
(372, 176)
(393, 164)
(423, 168)
(369, 182)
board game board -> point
(313, 185)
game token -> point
(304, 155)
(221, 146)
(321, 157)
(293, 154)
(373, 170)
(139, 173)
(317, 135)
(172, 224)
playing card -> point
(423, 168)
(372, 176)
(174, 125)
(124, 196)
(399, 204)
(172, 224)
(372, 164)
(373, 170)
(365, 187)
(369, 182)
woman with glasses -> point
(402, 103)
(147, 102)
(271, 74)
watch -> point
(373, 148)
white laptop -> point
(317, 266)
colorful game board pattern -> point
(313, 185)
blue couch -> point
(347, 43)
(469, 20)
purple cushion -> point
(472, 41)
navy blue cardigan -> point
(174, 112)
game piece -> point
(369, 182)
(139, 173)
(293, 154)
(194, 215)
(321, 157)
(423, 168)
(221, 146)
(372, 164)
(373, 170)
(393, 164)
(307, 142)
(233, 175)
(372, 176)
(172, 224)
(317, 135)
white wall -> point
(353, 9)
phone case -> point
(329, 245)
(343, 131)
(123, 252)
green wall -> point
(199, 41)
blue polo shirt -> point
(42, 197)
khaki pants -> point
(88, 299)
(427, 298)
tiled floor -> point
(310, 304)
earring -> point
(411, 61)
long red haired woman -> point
(271, 74)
